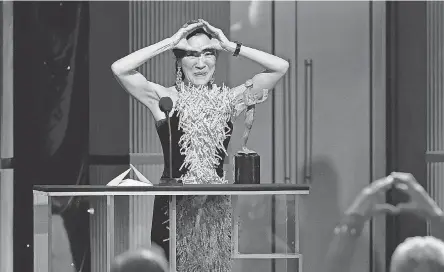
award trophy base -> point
(170, 182)
(247, 168)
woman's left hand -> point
(220, 41)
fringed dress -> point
(201, 126)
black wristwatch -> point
(238, 47)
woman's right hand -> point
(179, 39)
(183, 45)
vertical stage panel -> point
(108, 123)
(285, 131)
(435, 105)
(149, 23)
(253, 24)
(6, 139)
(379, 131)
(108, 103)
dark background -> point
(51, 118)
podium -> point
(260, 212)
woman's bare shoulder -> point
(167, 91)
(172, 89)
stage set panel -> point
(112, 231)
(332, 134)
(435, 102)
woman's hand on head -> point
(218, 34)
(183, 45)
(186, 29)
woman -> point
(201, 121)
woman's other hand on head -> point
(183, 45)
(217, 33)
(185, 30)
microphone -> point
(166, 105)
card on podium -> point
(121, 181)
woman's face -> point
(198, 66)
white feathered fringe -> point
(204, 222)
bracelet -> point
(351, 225)
(238, 47)
(346, 230)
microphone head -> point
(165, 104)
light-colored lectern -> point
(265, 221)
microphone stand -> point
(170, 145)
(170, 180)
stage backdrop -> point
(51, 126)
(6, 139)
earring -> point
(212, 80)
(179, 76)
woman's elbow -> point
(284, 68)
(117, 69)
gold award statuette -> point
(247, 161)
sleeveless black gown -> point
(159, 232)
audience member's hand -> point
(420, 202)
(371, 200)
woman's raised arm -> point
(275, 67)
(134, 82)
